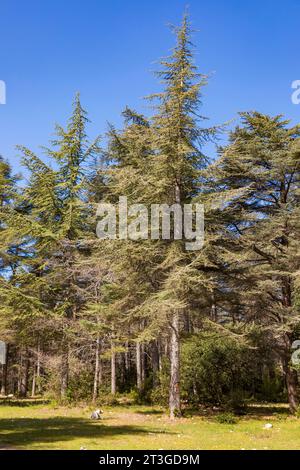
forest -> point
(97, 321)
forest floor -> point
(40, 425)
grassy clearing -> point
(30, 425)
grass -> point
(34, 425)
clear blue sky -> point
(107, 49)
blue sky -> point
(107, 50)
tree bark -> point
(100, 370)
(143, 364)
(38, 368)
(36, 373)
(174, 396)
(138, 367)
(24, 374)
(127, 359)
(64, 381)
(33, 385)
(113, 371)
(174, 392)
(4, 373)
(97, 369)
(20, 374)
(291, 382)
(155, 362)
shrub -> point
(215, 370)
(226, 418)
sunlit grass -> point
(45, 426)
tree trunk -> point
(113, 371)
(97, 368)
(24, 374)
(100, 370)
(143, 364)
(155, 363)
(174, 392)
(33, 387)
(36, 373)
(174, 396)
(4, 373)
(38, 369)
(20, 375)
(138, 367)
(290, 375)
(64, 381)
(161, 352)
(127, 359)
(291, 382)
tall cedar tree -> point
(159, 161)
(55, 225)
(177, 138)
(257, 176)
(8, 251)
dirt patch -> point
(7, 447)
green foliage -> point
(226, 418)
(215, 369)
(79, 386)
(79, 301)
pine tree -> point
(55, 224)
(159, 161)
(257, 176)
(8, 258)
(178, 139)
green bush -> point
(215, 370)
(226, 418)
(80, 386)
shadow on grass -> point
(26, 431)
(22, 402)
(149, 412)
